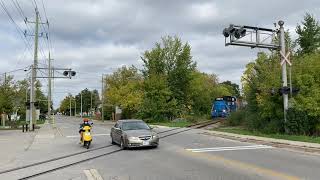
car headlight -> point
(133, 138)
(154, 136)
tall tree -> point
(308, 34)
(171, 62)
(124, 89)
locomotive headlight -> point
(224, 110)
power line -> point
(25, 40)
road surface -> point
(188, 155)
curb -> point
(265, 139)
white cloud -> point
(93, 36)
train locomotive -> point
(223, 106)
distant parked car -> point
(133, 133)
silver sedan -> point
(133, 133)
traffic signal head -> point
(239, 33)
(65, 73)
(226, 32)
(73, 73)
(229, 31)
(284, 90)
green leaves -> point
(124, 89)
(168, 69)
(309, 35)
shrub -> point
(237, 118)
(299, 122)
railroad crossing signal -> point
(237, 32)
(69, 73)
(285, 58)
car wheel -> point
(122, 146)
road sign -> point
(285, 58)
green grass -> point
(172, 124)
(239, 130)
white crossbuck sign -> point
(285, 58)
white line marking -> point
(226, 147)
(92, 174)
(96, 174)
(215, 149)
(88, 174)
(76, 136)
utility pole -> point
(34, 73)
(70, 105)
(5, 85)
(283, 68)
(81, 103)
(91, 105)
(5, 78)
(75, 106)
(49, 87)
(102, 99)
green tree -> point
(258, 80)
(308, 34)
(204, 89)
(21, 97)
(87, 96)
(124, 89)
(234, 88)
(171, 62)
(41, 98)
(7, 95)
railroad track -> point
(61, 159)
(205, 123)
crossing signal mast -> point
(257, 37)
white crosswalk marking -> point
(234, 148)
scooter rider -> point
(85, 123)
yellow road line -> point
(245, 166)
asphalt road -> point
(189, 155)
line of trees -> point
(169, 85)
(262, 77)
(87, 97)
(15, 94)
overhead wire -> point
(19, 30)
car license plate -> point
(145, 143)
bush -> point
(237, 118)
(299, 122)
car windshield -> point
(134, 126)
